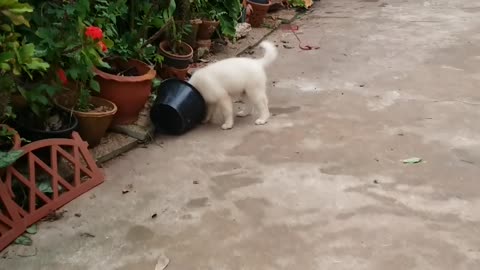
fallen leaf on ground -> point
(53, 216)
(412, 160)
(23, 240)
(162, 262)
(32, 229)
(86, 234)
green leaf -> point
(5, 67)
(38, 64)
(32, 229)
(95, 85)
(412, 160)
(45, 187)
(26, 52)
(22, 9)
(156, 83)
(16, 19)
(23, 240)
(6, 56)
(5, 27)
(8, 158)
(108, 42)
(73, 73)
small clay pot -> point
(15, 144)
(167, 72)
(129, 93)
(191, 38)
(206, 43)
(258, 14)
(206, 29)
(92, 126)
(175, 60)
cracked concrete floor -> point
(322, 186)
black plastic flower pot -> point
(177, 108)
(26, 125)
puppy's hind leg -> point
(247, 109)
(260, 101)
(209, 113)
(226, 105)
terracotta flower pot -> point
(92, 125)
(191, 38)
(18, 102)
(206, 29)
(171, 72)
(204, 43)
(129, 93)
(258, 13)
(176, 60)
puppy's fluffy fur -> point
(236, 77)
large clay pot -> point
(175, 60)
(206, 29)
(129, 93)
(258, 13)
(92, 125)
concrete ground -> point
(322, 186)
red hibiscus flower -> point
(102, 46)
(62, 76)
(94, 32)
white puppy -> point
(235, 77)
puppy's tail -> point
(271, 53)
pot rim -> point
(253, 3)
(150, 75)
(70, 128)
(112, 111)
(184, 82)
(176, 56)
(206, 21)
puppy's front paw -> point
(260, 122)
(227, 126)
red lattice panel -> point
(51, 173)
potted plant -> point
(94, 114)
(20, 65)
(177, 54)
(216, 13)
(206, 11)
(259, 10)
(186, 15)
(74, 49)
(127, 81)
